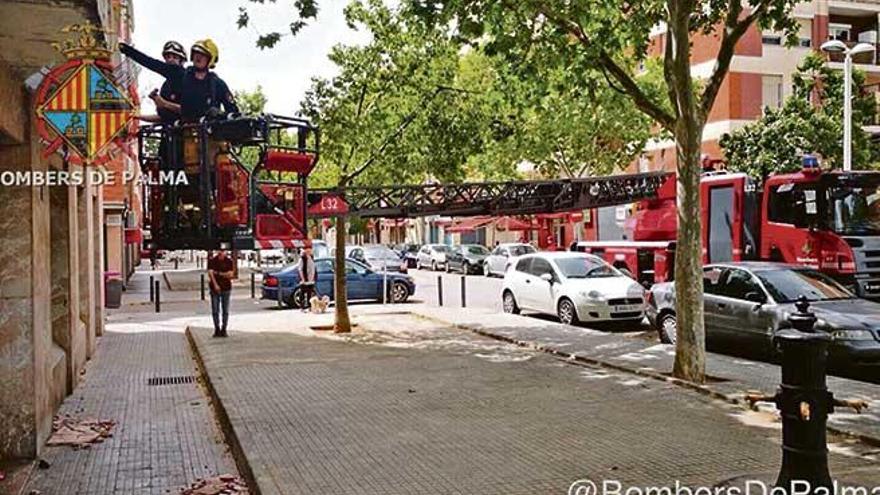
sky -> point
(284, 72)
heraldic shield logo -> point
(80, 105)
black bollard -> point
(202, 284)
(253, 285)
(804, 402)
(175, 263)
(158, 298)
(152, 297)
(463, 292)
(439, 290)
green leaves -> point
(776, 142)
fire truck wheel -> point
(399, 292)
(509, 303)
(567, 312)
(666, 327)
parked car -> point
(574, 286)
(361, 283)
(381, 257)
(433, 256)
(320, 249)
(466, 258)
(271, 256)
(746, 303)
(409, 253)
(503, 255)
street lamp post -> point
(837, 46)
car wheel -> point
(567, 312)
(465, 268)
(434, 266)
(398, 293)
(667, 327)
(296, 299)
(448, 268)
(509, 303)
(486, 271)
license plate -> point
(627, 308)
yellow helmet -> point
(206, 47)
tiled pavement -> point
(165, 436)
(429, 410)
(732, 376)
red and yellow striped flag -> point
(103, 127)
(73, 94)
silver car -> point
(746, 303)
(500, 259)
(433, 256)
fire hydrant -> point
(804, 402)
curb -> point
(241, 460)
(645, 372)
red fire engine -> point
(829, 220)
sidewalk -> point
(165, 436)
(730, 377)
(408, 405)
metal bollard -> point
(152, 297)
(253, 285)
(463, 292)
(158, 298)
(804, 402)
(280, 304)
(439, 290)
(202, 285)
(175, 263)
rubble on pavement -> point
(225, 484)
(79, 433)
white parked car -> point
(433, 256)
(574, 286)
(503, 255)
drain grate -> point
(170, 380)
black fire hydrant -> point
(804, 402)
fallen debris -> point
(225, 484)
(79, 433)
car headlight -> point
(852, 335)
(593, 294)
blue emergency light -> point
(810, 162)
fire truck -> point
(829, 220)
(234, 183)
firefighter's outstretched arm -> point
(228, 99)
(155, 65)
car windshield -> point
(476, 250)
(441, 249)
(787, 285)
(583, 267)
(854, 209)
(521, 250)
(380, 253)
(320, 250)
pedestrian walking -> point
(220, 273)
(307, 275)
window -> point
(771, 91)
(352, 267)
(839, 31)
(738, 284)
(781, 205)
(771, 39)
(711, 279)
(523, 265)
(540, 266)
(323, 266)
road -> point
(481, 291)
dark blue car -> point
(361, 283)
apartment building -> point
(762, 67)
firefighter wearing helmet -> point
(167, 98)
(204, 93)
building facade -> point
(52, 256)
(762, 67)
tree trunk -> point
(690, 350)
(343, 321)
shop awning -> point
(513, 223)
(468, 224)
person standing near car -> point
(307, 275)
(220, 273)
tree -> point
(808, 122)
(392, 114)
